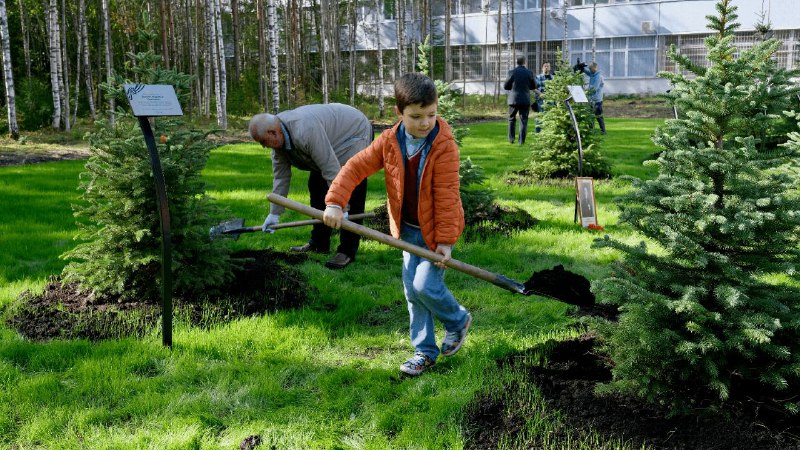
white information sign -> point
(153, 100)
(577, 94)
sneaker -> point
(453, 340)
(307, 247)
(417, 364)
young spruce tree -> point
(554, 151)
(707, 314)
(119, 256)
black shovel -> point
(579, 294)
(235, 227)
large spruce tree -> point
(708, 311)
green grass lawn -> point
(321, 377)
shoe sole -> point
(458, 347)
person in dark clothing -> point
(520, 82)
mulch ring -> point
(567, 384)
(264, 283)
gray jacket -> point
(520, 82)
(321, 138)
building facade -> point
(629, 39)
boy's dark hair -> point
(414, 88)
(521, 61)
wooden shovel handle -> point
(477, 272)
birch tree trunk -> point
(351, 14)
(222, 98)
(8, 70)
(237, 51)
(262, 56)
(510, 33)
(378, 19)
(594, 29)
(499, 51)
(55, 61)
(64, 67)
(273, 55)
(26, 42)
(84, 45)
(109, 67)
(448, 50)
(212, 60)
(323, 17)
(400, 30)
(194, 63)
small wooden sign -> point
(587, 207)
(578, 96)
(153, 100)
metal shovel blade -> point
(226, 228)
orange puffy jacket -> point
(441, 217)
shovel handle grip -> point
(477, 272)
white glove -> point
(271, 220)
(346, 215)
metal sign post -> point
(153, 100)
(578, 96)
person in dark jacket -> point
(520, 82)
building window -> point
(619, 57)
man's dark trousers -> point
(523, 110)
(321, 233)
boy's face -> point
(418, 121)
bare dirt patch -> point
(567, 383)
(265, 282)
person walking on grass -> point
(520, 82)
(541, 81)
(596, 83)
(318, 139)
(421, 161)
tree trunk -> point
(378, 20)
(165, 37)
(448, 50)
(8, 70)
(594, 29)
(55, 61)
(26, 39)
(510, 33)
(273, 55)
(540, 54)
(109, 67)
(222, 99)
(237, 51)
(499, 51)
(262, 56)
(84, 45)
(352, 16)
(64, 67)
(400, 30)
(323, 18)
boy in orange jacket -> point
(421, 162)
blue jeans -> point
(427, 297)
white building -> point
(630, 37)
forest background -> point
(245, 56)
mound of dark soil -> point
(561, 284)
(567, 383)
(264, 282)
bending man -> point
(319, 139)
